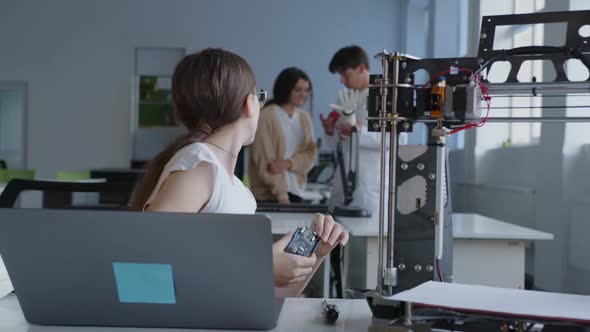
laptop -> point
(140, 269)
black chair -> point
(58, 194)
(115, 175)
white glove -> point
(347, 104)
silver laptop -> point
(119, 268)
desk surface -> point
(465, 226)
(475, 226)
(5, 284)
(298, 314)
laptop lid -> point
(143, 269)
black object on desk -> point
(292, 207)
(58, 194)
(116, 175)
(349, 179)
(330, 312)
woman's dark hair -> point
(348, 57)
(285, 83)
(209, 89)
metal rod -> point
(583, 85)
(382, 123)
(520, 119)
(534, 119)
(531, 96)
(541, 95)
(408, 314)
(391, 271)
(403, 85)
(399, 118)
(537, 88)
(533, 107)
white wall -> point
(77, 57)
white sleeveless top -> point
(293, 136)
(229, 195)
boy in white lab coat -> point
(352, 64)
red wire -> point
(440, 275)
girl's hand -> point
(330, 232)
(290, 269)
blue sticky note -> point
(144, 283)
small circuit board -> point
(304, 242)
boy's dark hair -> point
(348, 57)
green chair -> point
(72, 175)
(8, 174)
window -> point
(495, 135)
(576, 133)
(153, 124)
(153, 70)
(12, 124)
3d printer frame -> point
(415, 242)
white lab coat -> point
(366, 194)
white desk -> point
(298, 314)
(5, 284)
(490, 252)
(478, 241)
